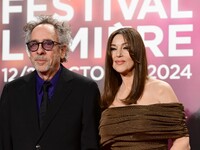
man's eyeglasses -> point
(46, 45)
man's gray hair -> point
(62, 29)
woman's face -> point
(122, 62)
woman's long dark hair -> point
(113, 79)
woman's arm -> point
(166, 94)
(181, 144)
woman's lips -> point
(119, 62)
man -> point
(68, 117)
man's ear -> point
(63, 49)
(28, 52)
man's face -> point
(46, 62)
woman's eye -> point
(126, 48)
(112, 48)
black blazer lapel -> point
(62, 91)
(30, 101)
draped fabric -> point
(142, 127)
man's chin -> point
(42, 70)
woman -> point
(139, 112)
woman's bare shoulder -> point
(162, 90)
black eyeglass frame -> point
(42, 44)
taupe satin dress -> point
(142, 127)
